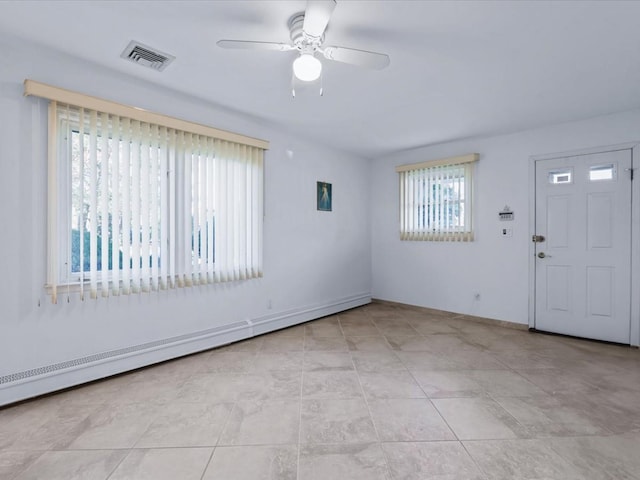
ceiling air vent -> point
(146, 56)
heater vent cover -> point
(146, 56)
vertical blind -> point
(138, 207)
(436, 199)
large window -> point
(138, 206)
(436, 199)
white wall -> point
(314, 261)
(447, 276)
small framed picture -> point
(324, 196)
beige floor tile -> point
(323, 328)
(73, 465)
(327, 361)
(13, 463)
(115, 426)
(362, 330)
(336, 421)
(283, 343)
(505, 383)
(477, 418)
(253, 463)
(368, 344)
(163, 464)
(325, 344)
(469, 359)
(546, 415)
(431, 327)
(400, 384)
(186, 425)
(211, 388)
(386, 361)
(520, 459)
(58, 430)
(557, 380)
(601, 458)
(272, 385)
(448, 384)
(352, 462)
(352, 320)
(410, 343)
(408, 420)
(228, 362)
(274, 361)
(149, 388)
(430, 461)
(332, 384)
(427, 361)
(394, 326)
(268, 422)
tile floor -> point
(379, 392)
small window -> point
(561, 177)
(436, 199)
(602, 172)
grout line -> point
(366, 402)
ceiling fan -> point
(307, 36)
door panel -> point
(600, 291)
(583, 272)
(599, 220)
(558, 221)
(558, 288)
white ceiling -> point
(458, 68)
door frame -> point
(634, 336)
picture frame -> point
(324, 196)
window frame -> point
(233, 154)
(421, 178)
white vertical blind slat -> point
(154, 219)
(103, 206)
(188, 211)
(116, 212)
(172, 241)
(202, 209)
(210, 209)
(81, 200)
(93, 214)
(135, 207)
(145, 227)
(164, 214)
(52, 235)
(126, 205)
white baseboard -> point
(39, 381)
(269, 323)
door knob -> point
(543, 255)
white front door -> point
(583, 252)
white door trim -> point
(635, 229)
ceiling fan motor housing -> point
(299, 38)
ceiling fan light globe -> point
(307, 68)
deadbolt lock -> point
(537, 238)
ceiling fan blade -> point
(249, 45)
(361, 58)
(316, 17)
